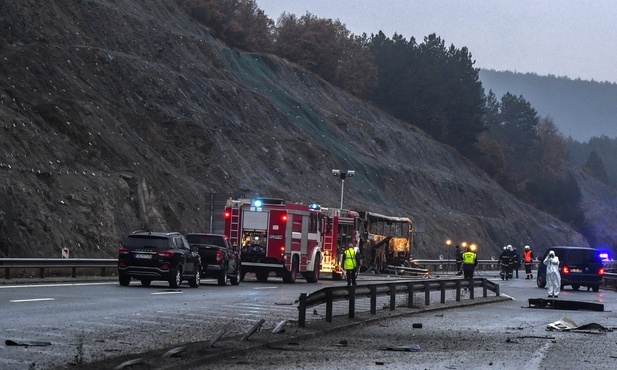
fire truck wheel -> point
(290, 277)
(313, 277)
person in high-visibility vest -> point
(350, 261)
(470, 261)
(528, 261)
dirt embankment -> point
(122, 115)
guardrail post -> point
(410, 295)
(442, 286)
(392, 296)
(7, 273)
(373, 300)
(42, 272)
(484, 288)
(74, 272)
(352, 302)
(329, 306)
(302, 310)
(427, 293)
(471, 290)
(458, 290)
(497, 290)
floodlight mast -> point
(342, 175)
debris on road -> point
(408, 348)
(564, 305)
(30, 343)
(567, 324)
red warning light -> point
(227, 214)
(284, 218)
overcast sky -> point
(573, 38)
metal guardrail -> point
(63, 263)
(609, 280)
(329, 295)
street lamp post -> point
(448, 242)
(342, 175)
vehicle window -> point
(179, 243)
(204, 239)
(185, 243)
(143, 241)
(592, 257)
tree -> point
(595, 167)
(326, 48)
(430, 86)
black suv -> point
(578, 266)
(148, 256)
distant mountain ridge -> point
(581, 109)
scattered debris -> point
(564, 305)
(280, 327)
(408, 348)
(315, 312)
(416, 325)
(342, 343)
(217, 336)
(379, 363)
(255, 328)
(567, 324)
(126, 364)
(283, 303)
(174, 352)
(30, 343)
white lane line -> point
(52, 285)
(31, 300)
(170, 292)
(267, 287)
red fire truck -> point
(275, 236)
(340, 229)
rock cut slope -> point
(120, 115)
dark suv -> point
(149, 256)
(578, 266)
(219, 258)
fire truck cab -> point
(275, 236)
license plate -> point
(577, 270)
(143, 256)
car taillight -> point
(124, 251)
(166, 254)
(219, 256)
(601, 271)
(565, 270)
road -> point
(98, 320)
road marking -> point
(31, 300)
(52, 285)
(267, 287)
(169, 292)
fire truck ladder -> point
(234, 223)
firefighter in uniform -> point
(504, 261)
(528, 261)
(350, 261)
(470, 261)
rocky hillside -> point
(119, 115)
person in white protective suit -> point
(553, 279)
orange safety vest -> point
(527, 256)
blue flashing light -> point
(315, 206)
(257, 203)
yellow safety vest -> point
(469, 257)
(350, 259)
